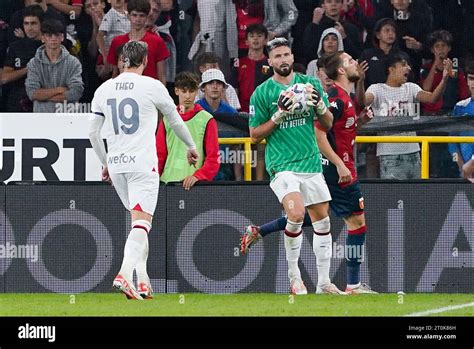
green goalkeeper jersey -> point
(292, 145)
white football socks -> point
(293, 248)
(142, 274)
(322, 248)
(136, 249)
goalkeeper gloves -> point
(314, 99)
(286, 105)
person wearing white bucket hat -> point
(213, 83)
(211, 75)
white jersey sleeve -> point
(96, 121)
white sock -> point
(293, 248)
(134, 250)
(322, 248)
(142, 275)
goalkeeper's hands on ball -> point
(314, 99)
(287, 102)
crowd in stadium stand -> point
(229, 36)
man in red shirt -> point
(138, 11)
(203, 128)
(253, 69)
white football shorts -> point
(137, 190)
(312, 186)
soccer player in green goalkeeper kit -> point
(292, 157)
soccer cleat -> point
(249, 237)
(297, 287)
(145, 290)
(126, 287)
(362, 289)
(329, 289)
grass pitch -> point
(257, 304)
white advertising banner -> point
(44, 146)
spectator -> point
(92, 61)
(253, 69)
(448, 15)
(119, 53)
(329, 16)
(163, 31)
(54, 76)
(18, 55)
(114, 23)
(95, 10)
(208, 60)
(396, 98)
(305, 15)
(413, 26)
(216, 34)
(385, 43)
(213, 83)
(172, 163)
(463, 152)
(15, 31)
(280, 16)
(440, 43)
(188, 12)
(249, 12)
(331, 42)
(361, 13)
(138, 11)
(71, 11)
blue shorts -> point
(346, 201)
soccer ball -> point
(299, 91)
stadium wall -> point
(69, 238)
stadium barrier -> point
(424, 140)
(69, 237)
(64, 153)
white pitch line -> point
(442, 310)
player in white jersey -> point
(126, 110)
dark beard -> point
(353, 78)
(285, 72)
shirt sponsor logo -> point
(122, 159)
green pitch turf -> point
(261, 304)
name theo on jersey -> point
(124, 86)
